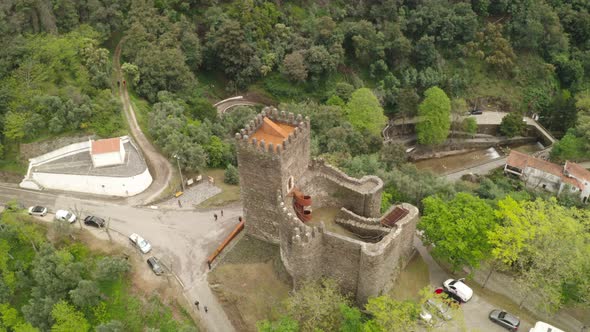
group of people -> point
(215, 215)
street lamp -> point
(179, 171)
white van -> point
(544, 327)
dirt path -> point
(160, 168)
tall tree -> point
(365, 113)
(434, 117)
(457, 228)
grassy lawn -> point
(411, 280)
(250, 284)
(229, 193)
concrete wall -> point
(107, 159)
(536, 179)
(31, 150)
(101, 185)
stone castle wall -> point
(263, 168)
(362, 269)
(267, 175)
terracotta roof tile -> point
(522, 161)
(106, 145)
(272, 132)
(577, 170)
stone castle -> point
(283, 188)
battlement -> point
(368, 184)
(273, 131)
(301, 233)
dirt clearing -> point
(251, 283)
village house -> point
(538, 173)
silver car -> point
(38, 211)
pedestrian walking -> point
(118, 83)
(206, 309)
(179, 204)
(197, 304)
(240, 218)
(222, 213)
(215, 216)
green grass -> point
(411, 280)
(229, 193)
(212, 85)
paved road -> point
(476, 311)
(160, 168)
(479, 169)
(181, 238)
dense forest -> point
(532, 56)
(61, 285)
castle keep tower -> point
(273, 152)
(345, 237)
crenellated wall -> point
(268, 173)
(362, 269)
(265, 167)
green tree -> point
(231, 175)
(458, 111)
(392, 315)
(530, 240)
(393, 154)
(112, 326)
(285, 324)
(457, 229)
(569, 147)
(86, 295)
(434, 117)
(217, 152)
(131, 72)
(68, 319)
(512, 125)
(14, 126)
(294, 66)
(469, 125)
(316, 306)
(111, 268)
(365, 113)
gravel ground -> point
(193, 196)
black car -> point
(476, 112)
(505, 319)
(94, 221)
(154, 263)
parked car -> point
(65, 215)
(94, 221)
(505, 319)
(458, 287)
(544, 327)
(439, 308)
(154, 264)
(139, 242)
(38, 211)
(476, 112)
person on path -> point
(179, 204)
(206, 309)
(215, 216)
(197, 304)
(222, 213)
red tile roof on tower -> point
(272, 132)
(106, 145)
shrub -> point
(231, 175)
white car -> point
(139, 242)
(38, 211)
(65, 215)
(458, 288)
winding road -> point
(160, 168)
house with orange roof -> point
(542, 174)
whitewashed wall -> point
(107, 159)
(101, 185)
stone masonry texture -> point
(362, 268)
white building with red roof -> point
(538, 173)
(107, 152)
